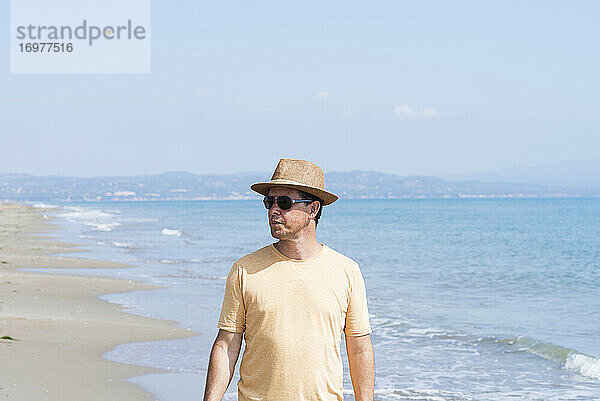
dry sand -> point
(60, 326)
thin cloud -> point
(405, 111)
(323, 95)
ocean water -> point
(469, 299)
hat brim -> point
(263, 189)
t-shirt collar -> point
(283, 257)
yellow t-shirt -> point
(293, 313)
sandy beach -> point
(54, 327)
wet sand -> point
(59, 327)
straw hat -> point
(297, 174)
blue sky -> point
(428, 87)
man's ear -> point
(314, 209)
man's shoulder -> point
(257, 257)
(341, 258)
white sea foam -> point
(200, 276)
(419, 394)
(428, 332)
(209, 277)
(102, 226)
(584, 365)
(98, 220)
(42, 205)
(122, 244)
(168, 231)
(178, 261)
(167, 261)
(84, 212)
(421, 331)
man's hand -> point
(221, 365)
(362, 366)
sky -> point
(404, 87)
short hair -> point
(306, 195)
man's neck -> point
(299, 249)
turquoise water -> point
(469, 299)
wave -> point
(575, 361)
(122, 244)
(41, 205)
(78, 212)
(410, 394)
(98, 220)
(168, 261)
(585, 365)
(102, 226)
(401, 328)
(113, 243)
(200, 276)
(168, 231)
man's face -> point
(286, 224)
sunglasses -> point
(284, 202)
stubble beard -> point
(283, 232)
(278, 232)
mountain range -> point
(180, 185)
(571, 173)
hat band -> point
(284, 181)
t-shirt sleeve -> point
(233, 312)
(357, 317)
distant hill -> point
(572, 174)
(178, 185)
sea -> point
(469, 299)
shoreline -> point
(58, 327)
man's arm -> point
(362, 366)
(221, 366)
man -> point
(293, 299)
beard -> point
(278, 231)
(285, 232)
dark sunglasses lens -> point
(284, 202)
(268, 201)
